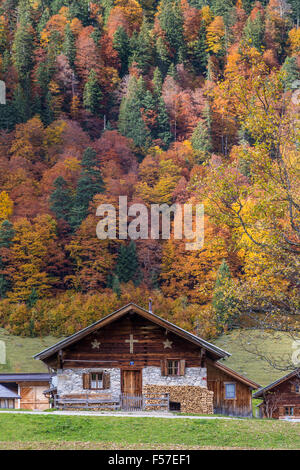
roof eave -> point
(118, 313)
(267, 388)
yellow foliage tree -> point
(215, 35)
(294, 38)
(6, 206)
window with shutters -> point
(96, 381)
(173, 367)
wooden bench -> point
(88, 402)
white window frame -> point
(172, 367)
(225, 391)
(97, 381)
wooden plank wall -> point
(114, 351)
(241, 406)
(284, 395)
(32, 397)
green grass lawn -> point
(29, 431)
(19, 352)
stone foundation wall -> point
(69, 382)
(193, 376)
(192, 399)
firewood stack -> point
(192, 399)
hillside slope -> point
(20, 351)
(239, 343)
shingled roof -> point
(25, 377)
(217, 352)
(260, 393)
(7, 393)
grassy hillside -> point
(19, 352)
(240, 342)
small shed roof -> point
(7, 393)
(260, 393)
(236, 375)
(30, 377)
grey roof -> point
(261, 391)
(7, 393)
(5, 378)
(176, 329)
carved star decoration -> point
(95, 344)
(167, 344)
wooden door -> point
(132, 382)
(32, 397)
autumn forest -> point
(169, 101)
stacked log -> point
(192, 399)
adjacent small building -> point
(8, 397)
(24, 391)
(281, 399)
(232, 391)
(134, 359)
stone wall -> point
(69, 382)
(195, 376)
(189, 390)
(192, 399)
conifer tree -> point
(61, 199)
(140, 45)
(164, 128)
(21, 105)
(127, 267)
(254, 31)
(89, 184)
(121, 43)
(23, 47)
(171, 22)
(291, 72)
(69, 48)
(116, 286)
(201, 139)
(223, 8)
(92, 95)
(131, 124)
(7, 234)
(163, 57)
(198, 54)
(157, 82)
(32, 298)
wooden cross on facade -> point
(131, 341)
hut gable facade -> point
(281, 399)
(133, 353)
(24, 391)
